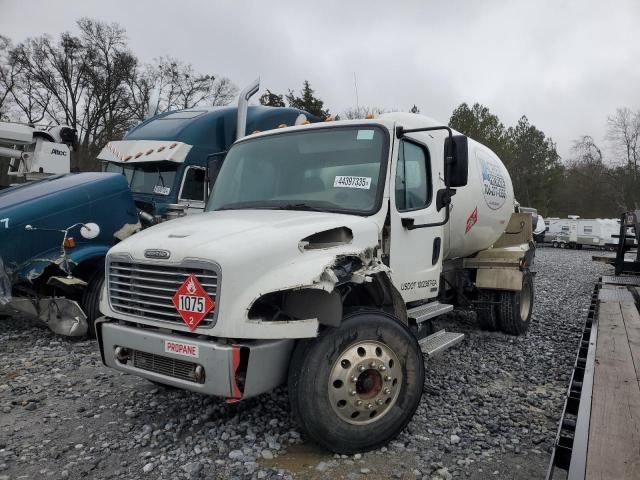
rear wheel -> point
(90, 302)
(555, 244)
(515, 308)
(486, 311)
(355, 387)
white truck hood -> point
(258, 251)
(223, 235)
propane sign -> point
(192, 302)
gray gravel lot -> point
(490, 408)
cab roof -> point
(213, 127)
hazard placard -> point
(192, 302)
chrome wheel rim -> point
(365, 382)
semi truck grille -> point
(146, 290)
(165, 366)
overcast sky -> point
(567, 65)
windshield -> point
(337, 169)
(152, 178)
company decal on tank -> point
(494, 185)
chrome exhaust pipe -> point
(243, 105)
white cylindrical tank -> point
(480, 211)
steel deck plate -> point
(620, 280)
(615, 295)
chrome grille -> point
(146, 290)
(165, 366)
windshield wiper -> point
(298, 206)
(268, 206)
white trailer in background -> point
(34, 152)
(576, 232)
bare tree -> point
(223, 92)
(623, 132)
(7, 75)
(363, 112)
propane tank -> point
(480, 211)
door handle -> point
(408, 222)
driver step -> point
(429, 310)
(439, 342)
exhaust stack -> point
(243, 106)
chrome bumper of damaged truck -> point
(234, 371)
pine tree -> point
(271, 99)
(306, 101)
(415, 109)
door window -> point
(194, 184)
(413, 178)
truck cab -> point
(166, 158)
(323, 255)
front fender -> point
(34, 268)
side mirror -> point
(90, 231)
(456, 169)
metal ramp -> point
(428, 311)
(439, 342)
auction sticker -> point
(348, 181)
(180, 348)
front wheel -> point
(515, 308)
(91, 300)
(355, 387)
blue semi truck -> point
(52, 265)
(171, 159)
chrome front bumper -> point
(231, 370)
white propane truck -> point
(322, 256)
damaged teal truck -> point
(54, 235)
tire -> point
(487, 314)
(555, 244)
(90, 302)
(562, 245)
(324, 396)
(515, 308)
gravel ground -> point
(490, 408)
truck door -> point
(414, 254)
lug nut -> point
(372, 364)
(383, 368)
(352, 393)
(361, 368)
(379, 401)
(354, 379)
(369, 406)
(387, 378)
(358, 402)
(387, 391)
